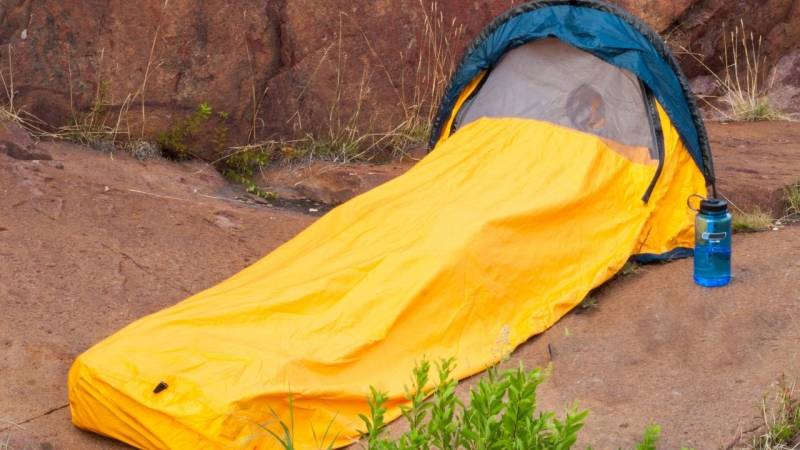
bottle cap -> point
(713, 205)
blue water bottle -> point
(712, 238)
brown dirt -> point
(327, 183)
(89, 243)
(755, 161)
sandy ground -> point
(89, 243)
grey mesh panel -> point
(553, 81)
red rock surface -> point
(283, 66)
(702, 27)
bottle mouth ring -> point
(714, 205)
(707, 205)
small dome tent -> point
(597, 28)
(528, 61)
(566, 143)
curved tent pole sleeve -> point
(658, 136)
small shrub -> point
(173, 141)
(649, 441)
(792, 199)
(240, 167)
(501, 414)
(751, 222)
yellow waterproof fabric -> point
(498, 233)
(672, 223)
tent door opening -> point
(551, 81)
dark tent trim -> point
(672, 255)
(603, 30)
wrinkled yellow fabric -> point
(672, 223)
(494, 236)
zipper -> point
(658, 137)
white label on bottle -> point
(714, 237)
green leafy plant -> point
(173, 141)
(241, 165)
(650, 440)
(501, 414)
(219, 139)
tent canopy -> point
(598, 28)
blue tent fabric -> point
(604, 31)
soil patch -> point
(755, 161)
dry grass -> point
(256, 101)
(7, 427)
(9, 112)
(435, 64)
(101, 127)
(349, 136)
(751, 222)
(744, 83)
(105, 126)
(792, 200)
(781, 420)
(350, 133)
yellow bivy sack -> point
(533, 195)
